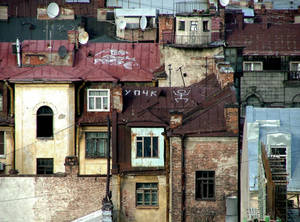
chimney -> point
(231, 114)
(240, 20)
(175, 119)
(117, 99)
(18, 46)
(71, 165)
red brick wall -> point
(218, 154)
(166, 25)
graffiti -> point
(180, 94)
(115, 57)
(138, 92)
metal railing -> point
(190, 7)
(169, 38)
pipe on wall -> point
(183, 202)
(167, 175)
(11, 93)
(78, 97)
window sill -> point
(91, 158)
(45, 138)
(2, 157)
(147, 207)
(211, 199)
(98, 110)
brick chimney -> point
(71, 165)
(117, 99)
(231, 114)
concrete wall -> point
(124, 199)
(193, 62)
(90, 166)
(219, 154)
(52, 198)
(8, 156)
(28, 99)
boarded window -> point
(96, 144)
(205, 185)
(44, 121)
(146, 194)
(146, 147)
(181, 25)
(2, 147)
(44, 166)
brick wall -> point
(231, 114)
(50, 198)
(166, 25)
(218, 154)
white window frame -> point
(295, 62)
(194, 26)
(102, 109)
(4, 145)
(252, 66)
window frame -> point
(38, 119)
(37, 160)
(295, 62)
(143, 148)
(101, 109)
(4, 143)
(181, 25)
(194, 24)
(100, 138)
(252, 66)
(200, 180)
(205, 25)
(142, 190)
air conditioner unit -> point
(2, 166)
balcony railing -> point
(190, 7)
(201, 40)
(294, 75)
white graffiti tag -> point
(138, 92)
(180, 94)
(115, 57)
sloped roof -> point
(201, 104)
(277, 39)
(125, 62)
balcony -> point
(191, 7)
(186, 40)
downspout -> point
(183, 202)
(108, 159)
(167, 175)
(78, 97)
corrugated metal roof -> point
(45, 46)
(135, 12)
(277, 39)
(123, 62)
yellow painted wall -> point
(129, 211)
(7, 158)
(28, 99)
(90, 165)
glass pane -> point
(211, 190)
(154, 185)
(139, 149)
(139, 138)
(204, 174)
(211, 174)
(155, 146)
(139, 198)
(154, 197)
(147, 146)
(247, 66)
(147, 185)
(98, 103)
(204, 186)
(139, 185)
(91, 103)
(256, 66)
(103, 93)
(294, 66)
(2, 143)
(105, 103)
(147, 197)
(94, 93)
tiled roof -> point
(277, 39)
(125, 62)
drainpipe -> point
(167, 174)
(183, 202)
(78, 97)
(18, 46)
(11, 93)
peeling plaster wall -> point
(28, 99)
(8, 156)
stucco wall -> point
(54, 198)
(8, 156)
(28, 99)
(193, 63)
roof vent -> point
(62, 52)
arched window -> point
(44, 122)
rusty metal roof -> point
(201, 104)
(106, 62)
(277, 39)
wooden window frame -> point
(143, 146)
(205, 182)
(50, 167)
(252, 66)
(181, 25)
(96, 155)
(102, 108)
(142, 191)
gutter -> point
(167, 175)
(11, 111)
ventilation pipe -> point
(18, 45)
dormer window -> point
(98, 100)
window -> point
(98, 100)
(96, 144)
(147, 146)
(44, 166)
(181, 25)
(146, 194)
(295, 66)
(44, 122)
(205, 185)
(2, 142)
(253, 66)
(205, 26)
(194, 25)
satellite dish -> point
(122, 24)
(224, 3)
(83, 37)
(62, 52)
(52, 10)
(143, 22)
